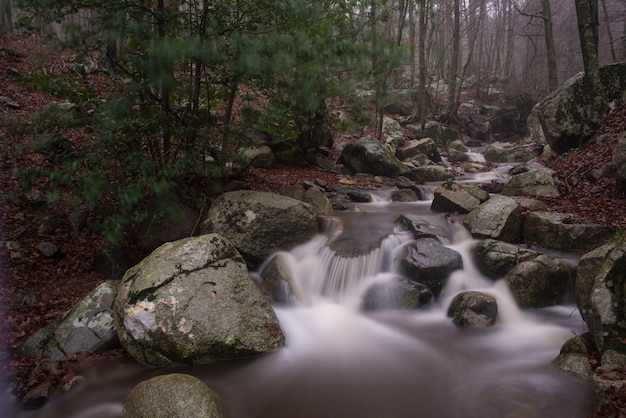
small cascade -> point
(340, 360)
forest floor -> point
(37, 290)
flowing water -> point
(342, 362)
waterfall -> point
(342, 361)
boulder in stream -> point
(559, 231)
(428, 261)
(538, 182)
(454, 197)
(538, 283)
(499, 218)
(496, 258)
(259, 223)
(471, 309)
(173, 395)
(396, 293)
(193, 301)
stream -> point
(340, 361)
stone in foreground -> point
(193, 301)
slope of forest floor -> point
(37, 290)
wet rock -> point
(473, 309)
(539, 282)
(404, 195)
(87, 327)
(430, 173)
(496, 258)
(193, 301)
(171, 396)
(396, 293)
(574, 356)
(499, 218)
(539, 182)
(38, 396)
(314, 197)
(258, 224)
(355, 195)
(504, 152)
(369, 155)
(454, 197)
(556, 230)
(428, 261)
(277, 280)
(404, 183)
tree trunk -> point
(454, 62)
(553, 81)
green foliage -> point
(194, 75)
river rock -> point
(259, 223)
(454, 197)
(396, 293)
(369, 155)
(499, 218)
(600, 283)
(318, 200)
(539, 282)
(174, 395)
(574, 356)
(414, 147)
(556, 230)
(277, 279)
(496, 258)
(404, 183)
(428, 173)
(504, 152)
(193, 301)
(471, 309)
(428, 261)
(87, 327)
(404, 195)
(539, 182)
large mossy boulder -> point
(569, 116)
(193, 301)
(499, 218)
(600, 295)
(87, 327)
(558, 231)
(258, 223)
(174, 395)
(369, 155)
